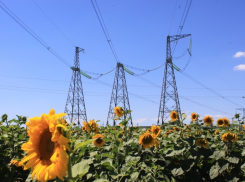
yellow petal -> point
(51, 112)
(28, 157)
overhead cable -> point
(33, 34)
(103, 26)
(53, 23)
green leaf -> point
(218, 154)
(101, 180)
(224, 167)
(130, 160)
(21, 136)
(183, 116)
(111, 156)
(243, 152)
(80, 169)
(134, 175)
(5, 128)
(214, 171)
(83, 144)
(243, 167)
(177, 171)
(234, 160)
(124, 122)
(106, 162)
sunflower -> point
(229, 136)
(118, 111)
(156, 130)
(193, 116)
(242, 132)
(176, 129)
(187, 126)
(147, 140)
(170, 131)
(148, 130)
(198, 133)
(243, 127)
(84, 128)
(90, 126)
(99, 142)
(208, 120)
(220, 122)
(157, 143)
(216, 132)
(174, 115)
(201, 142)
(226, 122)
(46, 148)
(188, 130)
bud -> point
(237, 116)
(24, 118)
(4, 117)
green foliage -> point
(12, 136)
(177, 158)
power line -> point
(53, 23)
(44, 79)
(182, 22)
(156, 85)
(103, 26)
(33, 34)
(173, 16)
(211, 90)
(209, 69)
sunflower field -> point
(50, 149)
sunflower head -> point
(147, 140)
(170, 131)
(99, 142)
(174, 115)
(176, 129)
(201, 142)
(118, 111)
(226, 122)
(242, 132)
(243, 127)
(156, 130)
(216, 132)
(229, 136)
(193, 116)
(208, 120)
(47, 147)
(187, 126)
(220, 122)
(198, 133)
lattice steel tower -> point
(119, 96)
(75, 105)
(169, 97)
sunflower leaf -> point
(80, 169)
(83, 144)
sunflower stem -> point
(69, 168)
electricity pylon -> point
(75, 105)
(169, 96)
(119, 95)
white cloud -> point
(239, 54)
(239, 67)
(154, 119)
(140, 120)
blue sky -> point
(138, 30)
